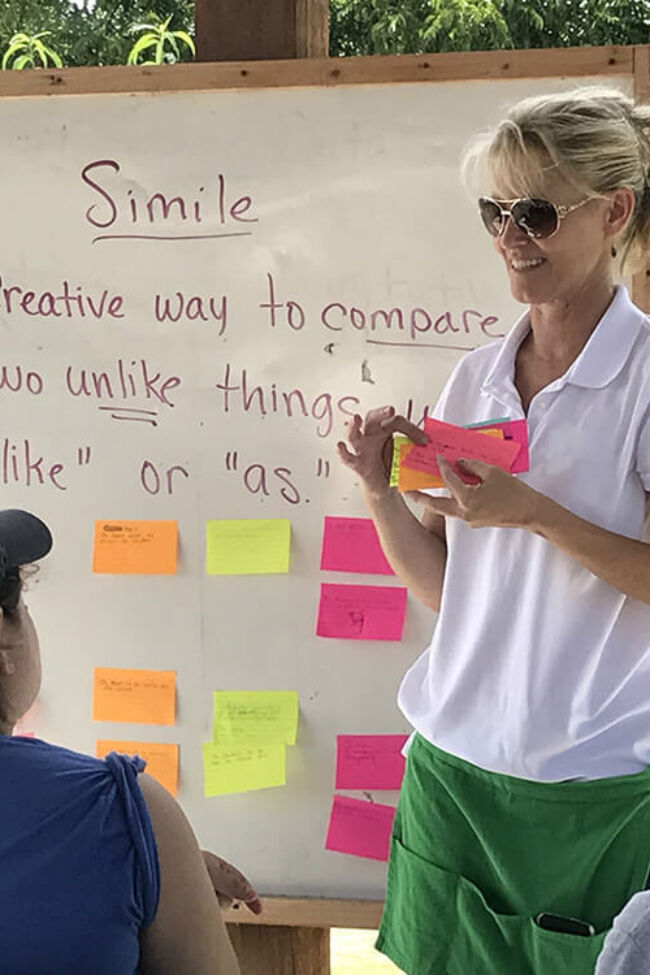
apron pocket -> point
(438, 923)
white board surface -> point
(356, 204)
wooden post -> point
(251, 30)
(281, 951)
(641, 280)
(291, 937)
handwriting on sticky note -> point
(369, 761)
(361, 612)
(161, 759)
(248, 546)
(136, 547)
(255, 717)
(242, 769)
(406, 479)
(142, 696)
(359, 828)
(352, 545)
(456, 443)
(398, 443)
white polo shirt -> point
(537, 668)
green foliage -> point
(419, 26)
(27, 51)
(101, 31)
(158, 36)
(87, 32)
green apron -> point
(476, 855)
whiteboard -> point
(346, 202)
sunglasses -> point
(535, 218)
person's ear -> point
(7, 666)
(619, 212)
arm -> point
(188, 935)
(503, 500)
(416, 551)
(622, 562)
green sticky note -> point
(248, 546)
(398, 442)
(255, 717)
(241, 769)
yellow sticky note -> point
(136, 547)
(247, 546)
(396, 460)
(161, 759)
(143, 696)
(255, 717)
(242, 769)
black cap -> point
(24, 538)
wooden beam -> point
(310, 912)
(614, 61)
(641, 280)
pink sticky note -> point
(362, 829)
(517, 432)
(454, 443)
(352, 545)
(361, 612)
(369, 761)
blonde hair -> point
(595, 138)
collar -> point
(602, 358)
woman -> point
(523, 824)
(101, 872)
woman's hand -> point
(368, 451)
(499, 500)
(230, 884)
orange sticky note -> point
(143, 696)
(142, 547)
(161, 759)
(411, 480)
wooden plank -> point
(281, 950)
(312, 28)
(239, 30)
(641, 280)
(310, 912)
(613, 61)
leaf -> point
(183, 36)
(22, 62)
(143, 44)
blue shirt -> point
(79, 875)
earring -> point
(613, 251)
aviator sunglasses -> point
(535, 218)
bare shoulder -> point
(187, 935)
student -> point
(523, 824)
(101, 872)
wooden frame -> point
(577, 62)
(310, 912)
(308, 951)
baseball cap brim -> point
(24, 538)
